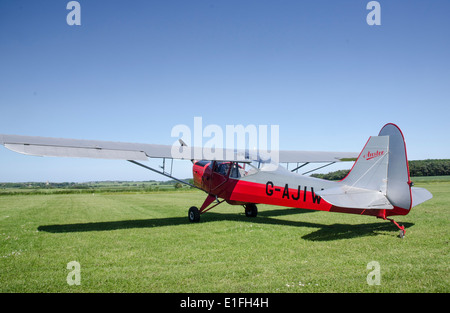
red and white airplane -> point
(378, 183)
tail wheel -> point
(194, 214)
(251, 210)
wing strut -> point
(163, 173)
(295, 169)
(318, 168)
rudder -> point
(398, 180)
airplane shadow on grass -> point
(324, 233)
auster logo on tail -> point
(371, 155)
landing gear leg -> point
(400, 227)
(382, 214)
(194, 213)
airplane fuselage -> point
(273, 185)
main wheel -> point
(251, 210)
(194, 214)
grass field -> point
(128, 242)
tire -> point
(251, 210)
(194, 214)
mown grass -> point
(144, 243)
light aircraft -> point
(377, 185)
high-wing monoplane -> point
(377, 185)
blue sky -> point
(134, 69)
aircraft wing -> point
(61, 147)
(286, 156)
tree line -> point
(417, 168)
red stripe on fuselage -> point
(251, 192)
(302, 197)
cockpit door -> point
(219, 176)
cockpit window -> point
(222, 168)
(237, 171)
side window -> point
(222, 168)
(237, 171)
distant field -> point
(90, 187)
(428, 179)
(143, 242)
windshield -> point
(239, 170)
(235, 170)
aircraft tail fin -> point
(380, 177)
(366, 184)
(370, 170)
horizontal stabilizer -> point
(420, 195)
(355, 198)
